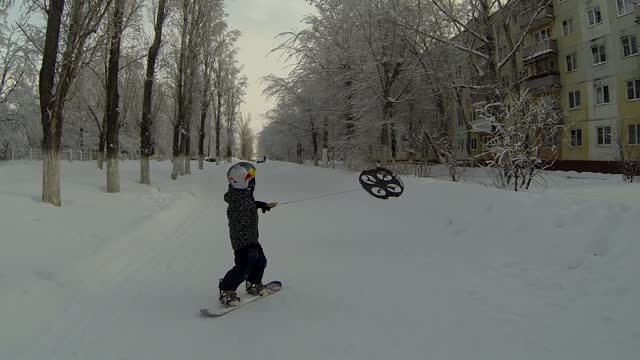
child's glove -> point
(264, 206)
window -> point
(604, 135)
(460, 117)
(485, 141)
(633, 89)
(461, 144)
(599, 54)
(567, 27)
(572, 62)
(544, 66)
(634, 134)
(629, 46)
(576, 137)
(543, 34)
(474, 144)
(602, 95)
(624, 6)
(595, 16)
(574, 99)
(477, 113)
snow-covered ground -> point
(447, 271)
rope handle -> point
(318, 197)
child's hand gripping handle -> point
(265, 207)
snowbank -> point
(447, 271)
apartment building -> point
(600, 77)
(586, 55)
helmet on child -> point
(242, 176)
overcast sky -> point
(260, 21)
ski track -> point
(123, 268)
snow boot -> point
(229, 298)
(256, 289)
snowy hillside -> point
(447, 271)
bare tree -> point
(13, 61)
(224, 63)
(246, 137)
(146, 149)
(195, 15)
(234, 96)
(213, 46)
(113, 98)
(82, 20)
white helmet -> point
(242, 176)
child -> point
(250, 261)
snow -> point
(447, 271)
(540, 53)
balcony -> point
(541, 48)
(542, 82)
(545, 17)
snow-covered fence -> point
(10, 154)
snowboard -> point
(219, 310)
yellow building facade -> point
(600, 77)
(586, 55)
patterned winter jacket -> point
(243, 217)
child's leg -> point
(238, 273)
(258, 263)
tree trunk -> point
(178, 148)
(145, 124)
(314, 139)
(51, 160)
(183, 149)
(229, 138)
(187, 151)
(113, 100)
(385, 133)
(175, 151)
(103, 141)
(218, 126)
(203, 115)
(394, 143)
(51, 121)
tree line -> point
(158, 77)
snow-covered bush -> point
(525, 135)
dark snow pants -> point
(250, 263)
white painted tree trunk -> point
(200, 161)
(325, 157)
(51, 178)
(175, 170)
(181, 171)
(113, 176)
(145, 176)
(385, 155)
